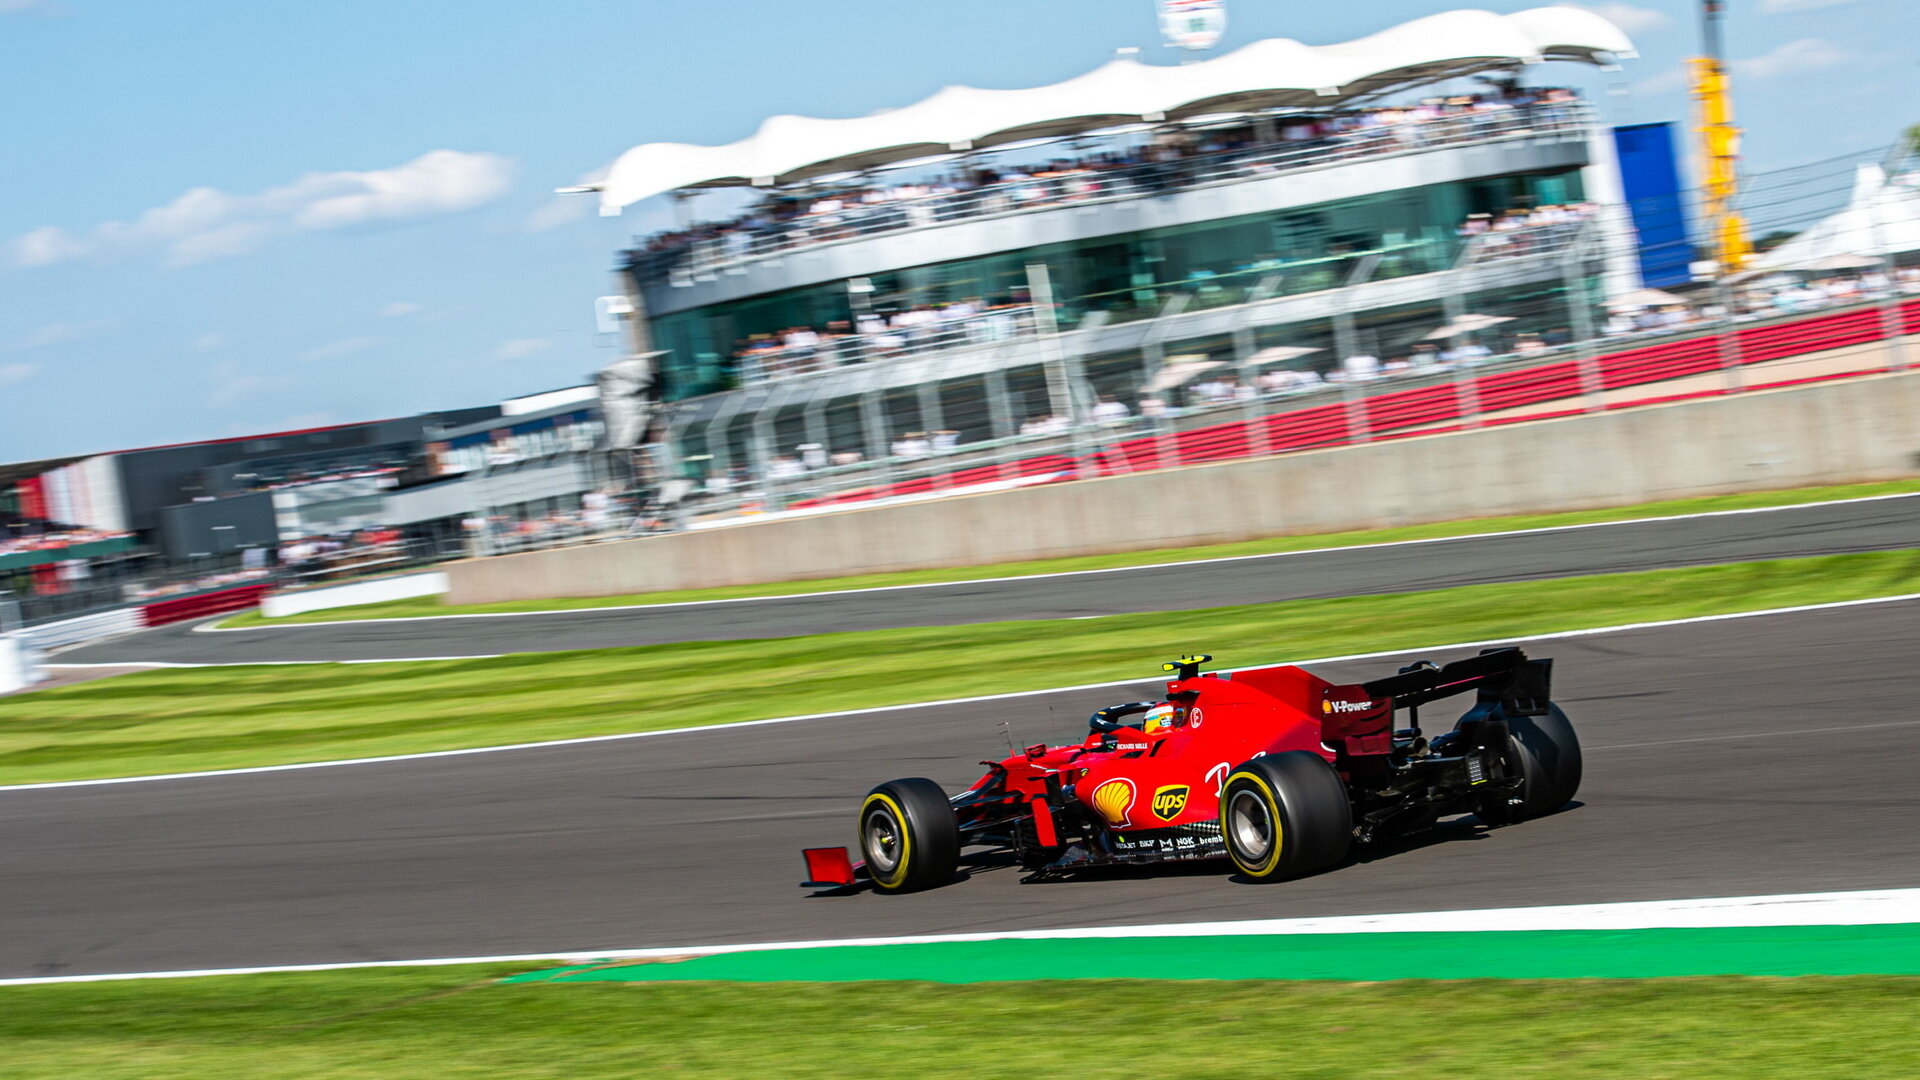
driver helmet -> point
(1158, 718)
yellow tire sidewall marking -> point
(1273, 811)
(906, 839)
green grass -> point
(207, 718)
(428, 605)
(458, 1022)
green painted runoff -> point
(1367, 957)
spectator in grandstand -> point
(44, 536)
(1290, 381)
(912, 446)
(1046, 424)
(785, 219)
(1468, 352)
(1360, 367)
(1111, 410)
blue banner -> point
(1650, 177)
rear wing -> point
(1521, 686)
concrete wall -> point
(101, 624)
(1855, 430)
(377, 591)
(19, 664)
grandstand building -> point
(78, 533)
(985, 266)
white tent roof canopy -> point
(1270, 74)
(1881, 218)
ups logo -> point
(1169, 801)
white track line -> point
(584, 740)
(270, 663)
(210, 628)
(1866, 908)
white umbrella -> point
(1178, 371)
(1642, 298)
(1466, 324)
(1279, 354)
(1838, 262)
(1761, 279)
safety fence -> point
(200, 605)
(1652, 374)
(48, 637)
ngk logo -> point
(1331, 707)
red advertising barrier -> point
(177, 609)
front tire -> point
(909, 835)
(1285, 816)
(1545, 753)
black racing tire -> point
(909, 835)
(1545, 752)
(1285, 816)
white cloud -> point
(57, 334)
(235, 382)
(206, 223)
(14, 373)
(208, 341)
(521, 348)
(560, 210)
(1633, 20)
(400, 309)
(235, 388)
(438, 182)
(1788, 7)
(1798, 57)
(333, 350)
(45, 246)
(1664, 83)
(1794, 58)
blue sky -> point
(221, 217)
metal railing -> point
(1520, 332)
(944, 330)
(881, 342)
(845, 220)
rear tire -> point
(1545, 752)
(909, 835)
(1285, 816)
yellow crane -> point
(1719, 143)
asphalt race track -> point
(1774, 754)
(1802, 531)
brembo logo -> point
(1331, 707)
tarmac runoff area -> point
(1757, 756)
(1874, 524)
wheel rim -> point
(1250, 825)
(882, 840)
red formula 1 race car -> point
(1274, 769)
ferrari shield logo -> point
(1169, 801)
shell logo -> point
(1112, 799)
